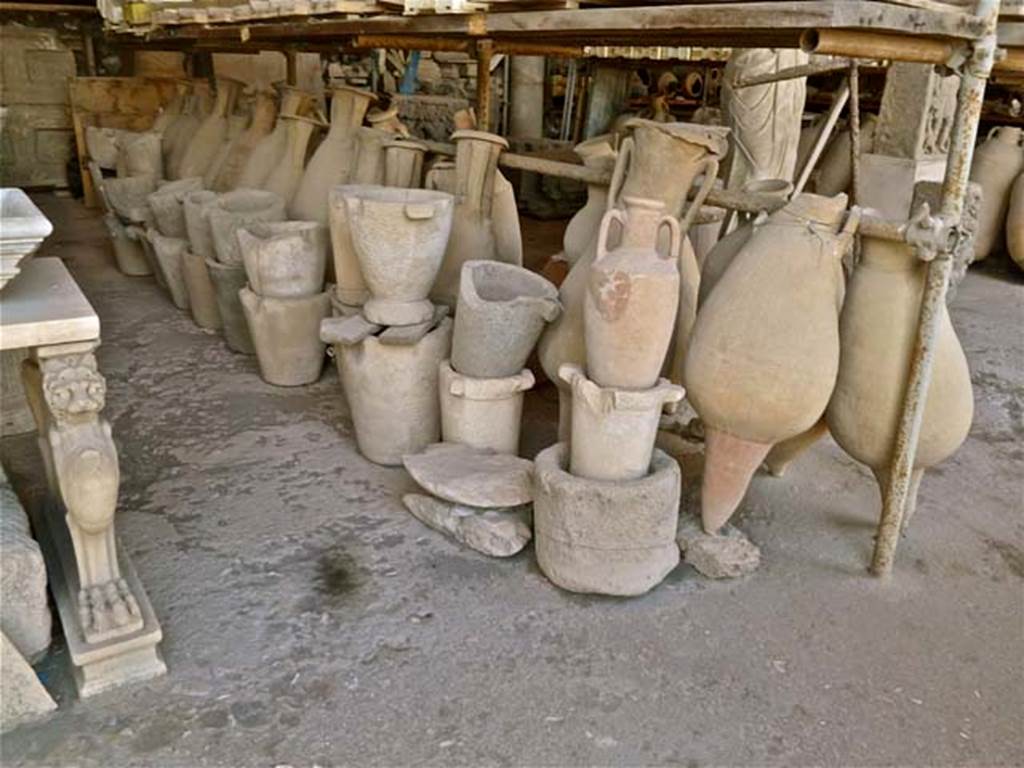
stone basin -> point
(23, 227)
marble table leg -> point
(112, 632)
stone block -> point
(22, 696)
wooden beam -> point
(484, 51)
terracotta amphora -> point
(267, 152)
(597, 154)
(1015, 222)
(472, 237)
(399, 236)
(835, 169)
(629, 310)
(403, 163)
(180, 132)
(263, 116)
(877, 333)
(285, 177)
(209, 136)
(501, 312)
(997, 162)
(334, 160)
(284, 260)
(237, 124)
(167, 117)
(370, 155)
(764, 352)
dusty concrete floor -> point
(308, 619)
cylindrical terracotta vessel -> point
(230, 174)
(127, 249)
(483, 413)
(206, 142)
(284, 260)
(997, 163)
(228, 280)
(284, 179)
(236, 209)
(267, 152)
(169, 252)
(286, 335)
(167, 204)
(202, 297)
(403, 163)
(236, 128)
(140, 154)
(629, 310)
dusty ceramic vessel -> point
(483, 413)
(168, 122)
(127, 249)
(834, 173)
(370, 155)
(597, 154)
(629, 309)
(140, 154)
(610, 538)
(997, 163)
(392, 392)
(137, 231)
(284, 179)
(387, 120)
(236, 209)
(232, 168)
(204, 145)
(228, 280)
(202, 296)
(334, 160)
(167, 204)
(267, 152)
(185, 127)
(877, 332)
(194, 207)
(613, 429)
(501, 312)
(403, 163)
(1015, 222)
(472, 234)
(102, 145)
(508, 238)
(760, 372)
(284, 260)
(237, 124)
(169, 252)
(705, 231)
(286, 335)
(127, 198)
(399, 236)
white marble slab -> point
(43, 306)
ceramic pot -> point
(877, 333)
(286, 335)
(997, 163)
(597, 154)
(658, 161)
(403, 163)
(472, 237)
(1015, 222)
(194, 206)
(370, 155)
(202, 296)
(705, 231)
(508, 238)
(334, 160)
(285, 178)
(501, 312)
(127, 249)
(399, 236)
(614, 429)
(720, 258)
(206, 143)
(761, 371)
(127, 197)
(233, 210)
(169, 252)
(441, 176)
(629, 310)
(392, 393)
(266, 154)
(834, 173)
(102, 145)
(186, 126)
(170, 113)
(387, 120)
(140, 154)
(284, 260)
(167, 205)
(231, 169)
(228, 280)
(611, 538)
(137, 232)
(483, 413)
(236, 127)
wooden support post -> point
(484, 51)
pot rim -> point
(472, 133)
(550, 292)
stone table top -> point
(44, 306)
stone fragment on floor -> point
(725, 555)
(472, 476)
(24, 610)
(22, 697)
(494, 532)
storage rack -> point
(925, 31)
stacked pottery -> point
(266, 153)
(169, 237)
(501, 312)
(598, 154)
(237, 124)
(606, 503)
(764, 353)
(202, 297)
(139, 154)
(660, 162)
(127, 222)
(284, 301)
(997, 163)
(184, 129)
(389, 353)
(226, 215)
(284, 179)
(263, 116)
(204, 145)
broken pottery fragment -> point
(169, 252)
(501, 312)
(127, 248)
(285, 259)
(494, 532)
(482, 413)
(399, 236)
(233, 210)
(286, 335)
(727, 554)
(611, 538)
(392, 392)
(613, 430)
(167, 204)
(228, 280)
(472, 476)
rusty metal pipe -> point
(874, 45)
(838, 102)
(791, 73)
